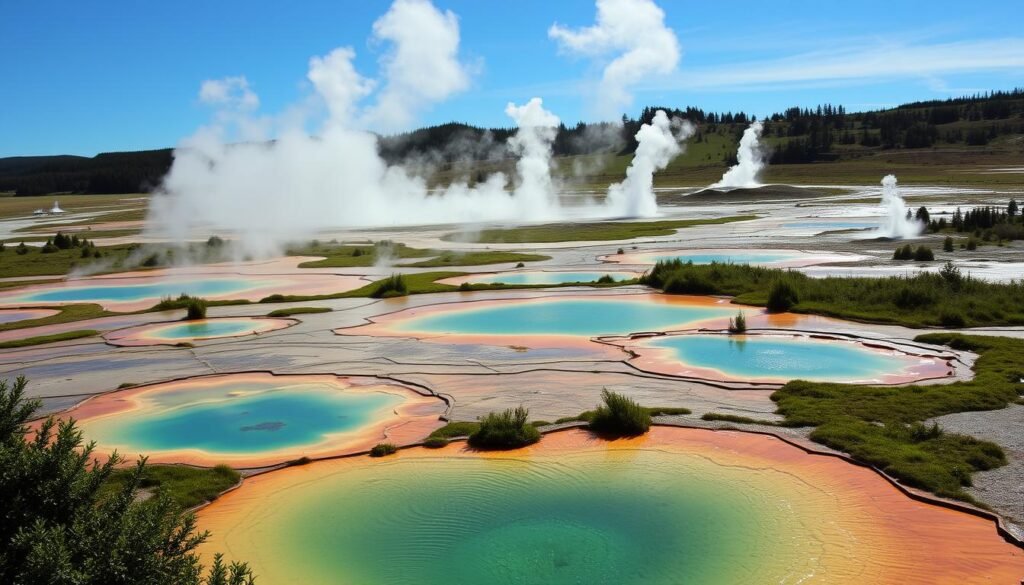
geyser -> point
(750, 160)
(896, 223)
(659, 143)
(267, 182)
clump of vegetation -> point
(947, 244)
(456, 429)
(738, 325)
(923, 254)
(782, 297)
(21, 249)
(972, 243)
(606, 279)
(187, 486)
(619, 416)
(883, 426)
(383, 449)
(435, 442)
(465, 286)
(195, 309)
(509, 429)
(393, 286)
(298, 311)
(904, 253)
(914, 301)
(94, 533)
(214, 242)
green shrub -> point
(48, 248)
(952, 318)
(947, 244)
(520, 265)
(465, 286)
(195, 309)
(972, 243)
(214, 242)
(739, 324)
(606, 279)
(393, 286)
(435, 442)
(619, 416)
(383, 449)
(21, 250)
(903, 253)
(781, 297)
(924, 254)
(509, 429)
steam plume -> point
(659, 143)
(266, 193)
(537, 130)
(895, 223)
(636, 31)
(750, 160)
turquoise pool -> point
(204, 287)
(239, 417)
(202, 329)
(757, 356)
(560, 316)
(540, 277)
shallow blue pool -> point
(755, 356)
(731, 257)
(566, 317)
(201, 329)
(139, 292)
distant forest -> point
(798, 135)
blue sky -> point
(87, 77)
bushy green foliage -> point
(435, 442)
(905, 252)
(924, 254)
(509, 429)
(734, 418)
(606, 279)
(782, 296)
(947, 244)
(383, 449)
(58, 527)
(195, 309)
(619, 416)
(915, 301)
(739, 324)
(393, 286)
(883, 425)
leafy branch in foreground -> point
(58, 527)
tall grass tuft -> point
(393, 286)
(508, 429)
(619, 416)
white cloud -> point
(423, 66)
(338, 83)
(861, 62)
(229, 92)
(633, 29)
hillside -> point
(956, 141)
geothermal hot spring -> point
(535, 277)
(674, 506)
(255, 419)
(122, 292)
(195, 330)
(778, 358)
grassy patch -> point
(588, 415)
(475, 259)
(298, 311)
(349, 255)
(188, 486)
(883, 426)
(572, 232)
(947, 299)
(58, 262)
(734, 418)
(420, 283)
(67, 314)
(53, 338)
(455, 429)
(508, 429)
